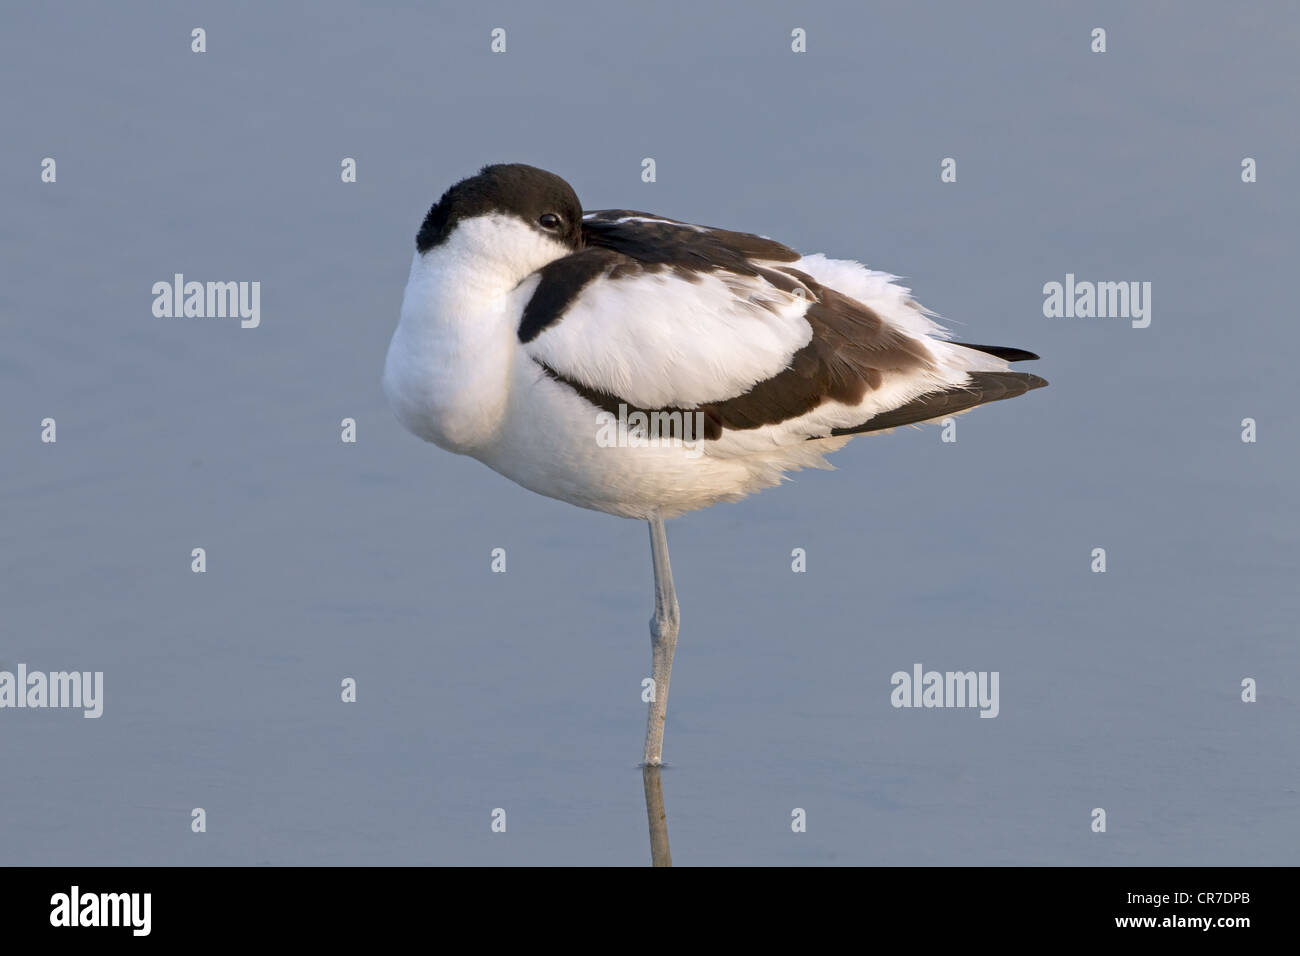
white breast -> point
(448, 372)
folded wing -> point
(659, 315)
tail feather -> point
(984, 387)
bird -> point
(646, 367)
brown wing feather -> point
(984, 387)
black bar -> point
(333, 905)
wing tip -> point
(983, 388)
(1005, 352)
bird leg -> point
(663, 641)
(660, 853)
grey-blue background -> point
(479, 690)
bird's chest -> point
(448, 373)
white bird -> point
(646, 367)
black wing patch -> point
(656, 240)
(561, 283)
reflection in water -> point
(660, 855)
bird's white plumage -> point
(457, 374)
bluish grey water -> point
(476, 690)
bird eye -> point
(549, 220)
